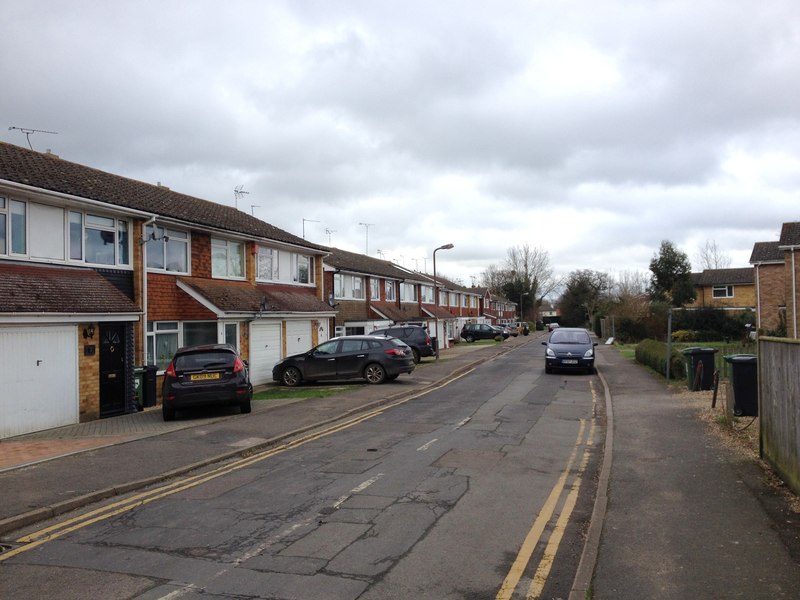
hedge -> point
(654, 355)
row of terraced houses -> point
(100, 273)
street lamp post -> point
(435, 296)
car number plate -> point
(203, 376)
(569, 361)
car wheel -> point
(548, 369)
(415, 352)
(589, 370)
(375, 373)
(245, 407)
(167, 412)
(469, 339)
(291, 377)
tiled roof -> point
(47, 289)
(244, 297)
(361, 263)
(48, 172)
(406, 312)
(790, 234)
(739, 276)
(766, 252)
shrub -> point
(654, 355)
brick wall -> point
(165, 302)
(88, 378)
(772, 295)
(201, 255)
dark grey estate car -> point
(376, 359)
(204, 375)
(482, 331)
(569, 348)
(415, 336)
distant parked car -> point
(374, 358)
(205, 375)
(512, 329)
(481, 331)
(569, 348)
(552, 326)
(415, 336)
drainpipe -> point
(143, 243)
(758, 297)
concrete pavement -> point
(678, 515)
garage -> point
(40, 378)
(298, 336)
(265, 350)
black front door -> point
(112, 369)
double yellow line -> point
(544, 517)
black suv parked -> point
(481, 331)
(415, 336)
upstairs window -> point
(227, 259)
(391, 296)
(13, 227)
(358, 287)
(374, 288)
(427, 293)
(408, 292)
(167, 249)
(722, 291)
(303, 268)
(267, 264)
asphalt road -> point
(480, 489)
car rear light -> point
(427, 340)
(170, 372)
(394, 352)
(238, 365)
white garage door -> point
(265, 350)
(298, 337)
(38, 378)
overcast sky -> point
(593, 130)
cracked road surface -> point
(480, 489)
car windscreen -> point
(204, 360)
(570, 337)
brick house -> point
(768, 264)
(99, 273)
(778, 281)
(370, 293)
(726, 289)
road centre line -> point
(534, 535)
(42, 536)
(428, 445)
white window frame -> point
(232, 250)
(426, 294)
(727, 291)
(266, 255)
(357, 287)
(374, 288)
(406, 290)
(297, 261)
(390, 290)
(159, 239)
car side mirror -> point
(544, 343)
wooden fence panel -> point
(779, 406)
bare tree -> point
(531, 274)
(711, 256)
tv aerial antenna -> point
(329, 232)
(238, 194)
(28, 133)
